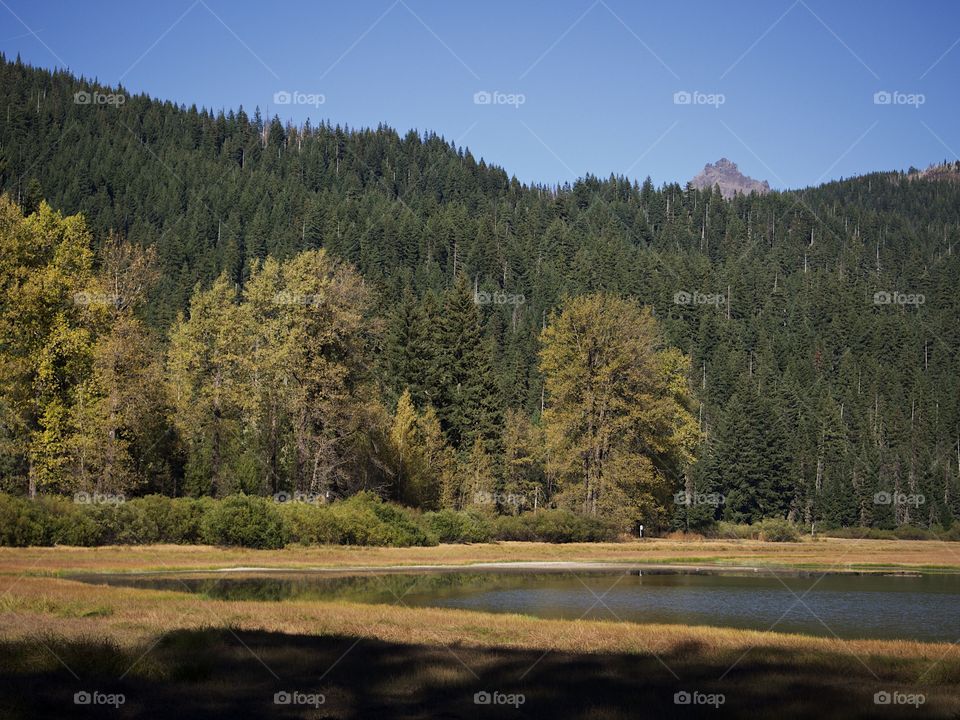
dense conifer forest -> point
(203, 302)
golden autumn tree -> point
(425, 463)
(618, 427)
(119, 415)
(47, 332)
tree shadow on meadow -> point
(220, 673)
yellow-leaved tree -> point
(619, 431)
(47, 332)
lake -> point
(916, 607)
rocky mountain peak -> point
(728, 177)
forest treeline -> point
(222, 302)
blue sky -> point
(785, 89)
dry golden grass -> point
(169, 635)
(821, 554)
(65, 608)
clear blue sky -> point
(597, 78)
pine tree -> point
(749, 464)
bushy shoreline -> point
(256, 522)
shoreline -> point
(543, 567)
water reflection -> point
(870, 606)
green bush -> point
(732, 531)
(554, 526)
(778, 530)
(449, 526)
(160, 519)
(244, 520)
(309, 524)
(952, 534)
(365, 519)
(909, 532)
(768, 529)
(857, 533)
(22, 523)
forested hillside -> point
(328, 309)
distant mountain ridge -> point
(728, 177)
(949, 171)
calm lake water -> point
(923, 607)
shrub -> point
(778, 530)
(308, 524)
(22, 523)
(952, 534)
(685, 535)
(157, 518)
(555, 526)
(908, 532)
(365, 519)
(859, 533)
(72, 524)
(459, 527)
(244, 520)
(728, 530)
(184, 523)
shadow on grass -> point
(218, 673)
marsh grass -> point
(230, 672)
(185, 655)
(825, 553)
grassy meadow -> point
(172, 654)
